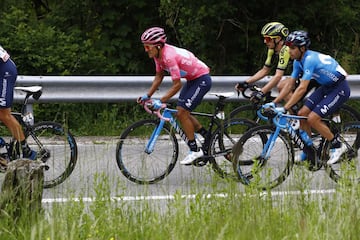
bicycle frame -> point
(281, 122)
(168, 116)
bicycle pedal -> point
(200, 162)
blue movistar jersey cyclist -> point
(334, 90)
(321, 67)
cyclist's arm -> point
(298, 93)
(159, 76)
(288, 87)
(172, 91)
(273, 81)
(264, 71)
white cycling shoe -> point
(192, 156)
(335, 154)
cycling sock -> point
(202, 131)
(335, 142)
(192, 145)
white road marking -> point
(190, 196)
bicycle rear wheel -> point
(222, 142)
(347, 114)
(141, 167)
(253, 169)
(347, 170)
(56, 147)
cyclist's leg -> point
(190, 97)
(8, 75)
(336, 95)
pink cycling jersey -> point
(179, 63)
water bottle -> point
(305, 137)
(2, 142)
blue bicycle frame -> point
(281, 121)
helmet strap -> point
(158, 49)
(302, 52)
(276, 43)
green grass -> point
(237, 215)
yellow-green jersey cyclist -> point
(274, 34)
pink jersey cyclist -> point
(179, 62)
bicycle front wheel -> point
(251, 166)
(56, 147)
(222, 142)
(245, 111)
(347, 170)
(139, 166)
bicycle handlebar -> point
(247, 92)
(250, 89)
(274, 113)
(149, 104)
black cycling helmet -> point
(298, 39)
(273, 29)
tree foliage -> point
(67, 37)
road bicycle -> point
(148, 149)
(346, 113)
(55, 145)
(264, 155)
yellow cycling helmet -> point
(275, 29)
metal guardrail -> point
(114, 89)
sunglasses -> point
(268, 39)
(148, 47)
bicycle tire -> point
(56, 147)
(245, 111)
(222, 142)
(263, 174)
(347, 169)
(141, 167)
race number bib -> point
(4, 55)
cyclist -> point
(8, 75)
(274, 34)
(332, 93)
(179, 63)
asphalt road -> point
(96, 169)
(96, 164)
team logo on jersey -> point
(2, 102)
(188, 103)
(324, 109)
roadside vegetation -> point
(233, 214)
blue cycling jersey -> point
(321, 67)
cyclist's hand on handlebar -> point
(280, 110)
(270, 110)
(257, 96)
(142, 99)
(156, 104)
(240, 86)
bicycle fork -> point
(154, 136)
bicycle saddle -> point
(224, 94)
(31, 89)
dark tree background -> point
(93, 37)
